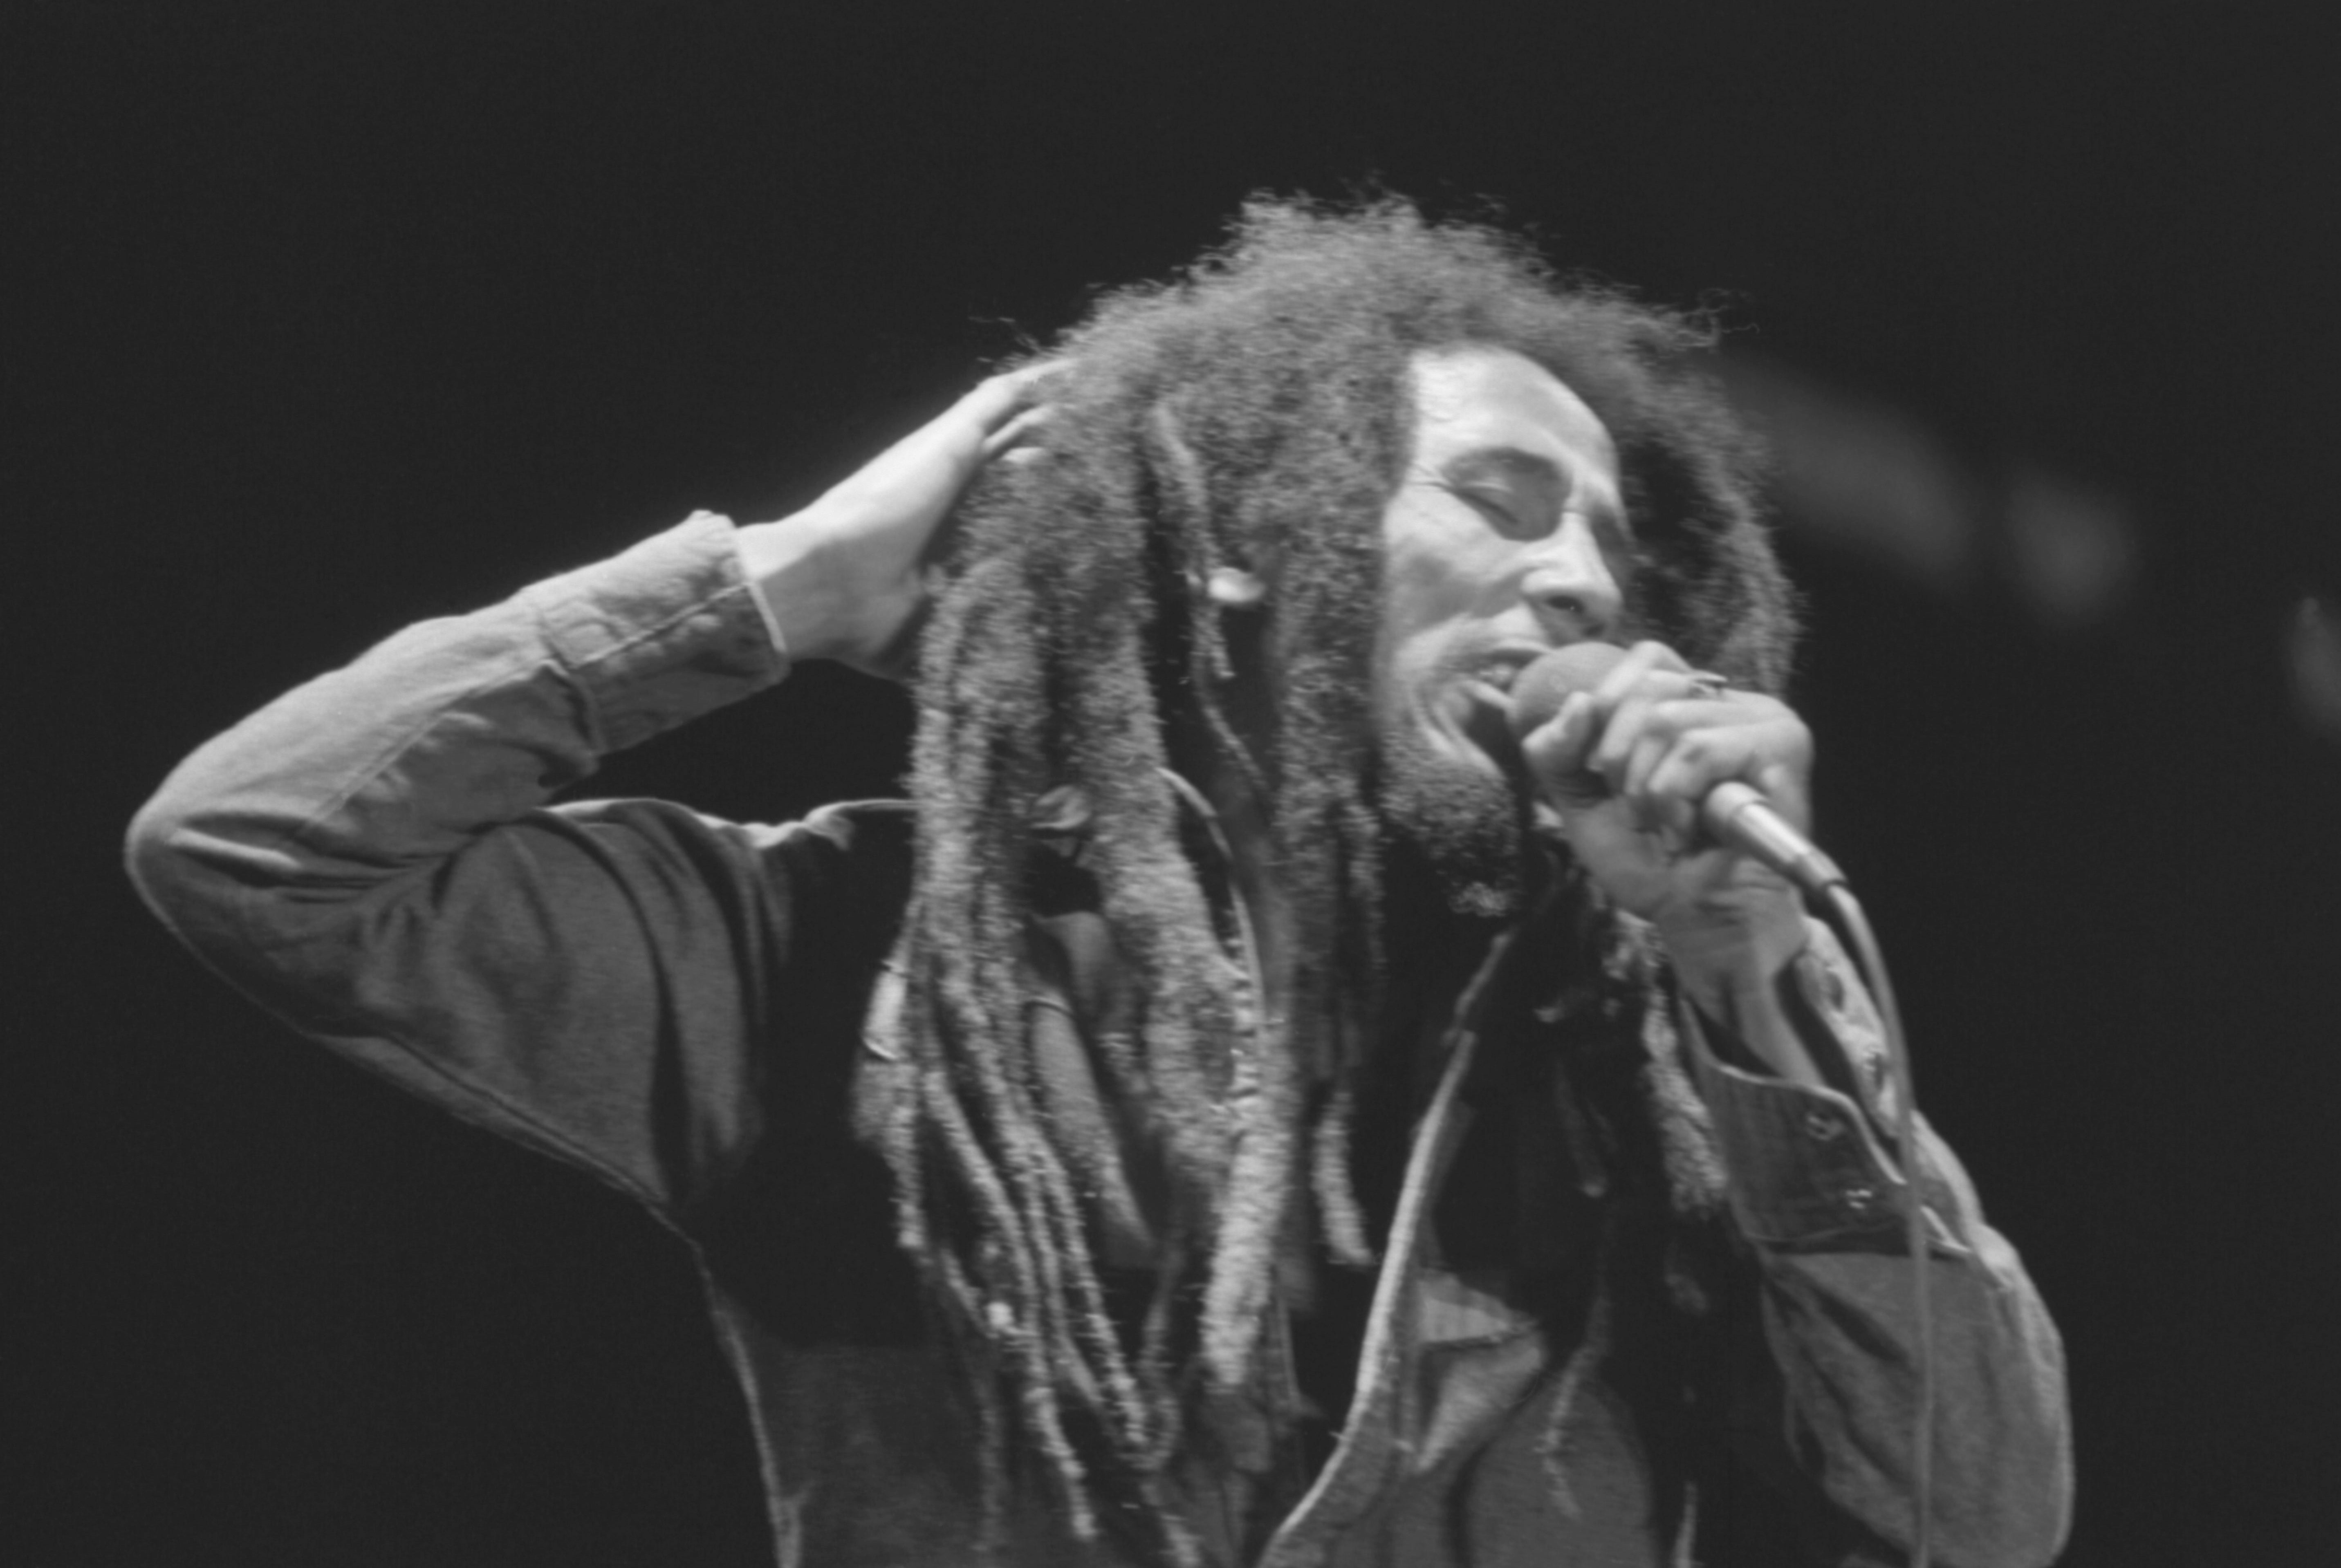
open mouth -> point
(1488, 725)
(1480, 701)
(1485, 719)
(1498, 669)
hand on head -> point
(850, 578)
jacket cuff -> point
(665, 631)
(1814, 1165)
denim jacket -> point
(1582, 1343)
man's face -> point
(1505, 538)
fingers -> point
(1699, 745)
(1007, 410)
(1013, 439)
(996, 400)
(1023, 377)
(1658, 737)
(1011, 389)
(1566, 744)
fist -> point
(1624, 767)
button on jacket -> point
(1636, 1301)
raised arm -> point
(372, 858)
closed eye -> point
(1510, 514)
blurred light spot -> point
(1861, 474)
(2072, 548)
(2313, 651)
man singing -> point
(1246, 1107)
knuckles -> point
(1698, 750)
(1647, 700)
(1704, 740)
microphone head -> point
(1539, 691)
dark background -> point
(320, 318)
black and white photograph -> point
(1136, 786)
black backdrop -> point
(322, 317)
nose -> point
(1570, 585)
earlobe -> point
(1233, 587)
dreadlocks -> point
(1253, 413)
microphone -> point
(1734, 815)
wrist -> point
(790, 564)
(1731, 961)
(1735, 941)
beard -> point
(1468, 828)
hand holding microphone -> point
(1664, 778)
(1634, 745)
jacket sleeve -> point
(371, 858)
(1818, 1191)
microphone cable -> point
(1845, 913)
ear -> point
(1233, 587)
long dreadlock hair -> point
(1253, 413)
